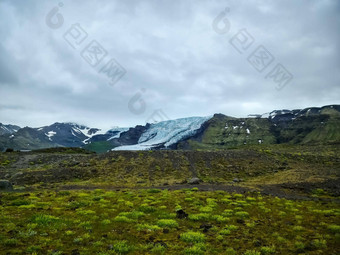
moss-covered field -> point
(153, 221)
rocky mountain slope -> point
(311, 125)
(8, 129)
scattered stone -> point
(206, 227)
(6, 185)
(162, 244)
(194, 180)
(236, 180)
(240, 221)
(181, 214)
(75, 252)
(258, 243)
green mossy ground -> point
(50, 212)
(146, 222)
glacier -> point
(166, 133)
(117, 131)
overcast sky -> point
(187, 58)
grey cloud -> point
(170, 49)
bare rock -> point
(194, 180)
(6, 185)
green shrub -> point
(230, 251)
(123, 219)
(192, 237)
(69, 232)
(44, 219)
(319, 243)
(106, 222)
(225, 232)
(86, 225)
(242, 214)
(252, 252)
(197, 249)
(228, 212)
(146, 208)
(122, 247)
(334, 228)
(11, 242)
(158, 249)
(198, 216)
(299, 246)
(206, 209)
(147, 227)
(219, 218)
(20, 202)
(167, 223)
(85, 212)
(231, 227)
(267, 250)
(77, 240)
(298, 228)
(132, 215)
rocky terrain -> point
(290, 167)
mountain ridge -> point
(309, 125)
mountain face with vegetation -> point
(308, 126)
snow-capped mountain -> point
(288, 115)
(8, 129)
(166, 133)
(69, 134)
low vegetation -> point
(152, 221)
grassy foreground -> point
(152, 221)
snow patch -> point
(50, 134)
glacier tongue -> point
(117, 132)
(166, 133)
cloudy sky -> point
(181, 58)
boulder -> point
(194, 180)
(181, 214)
(6, 185)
